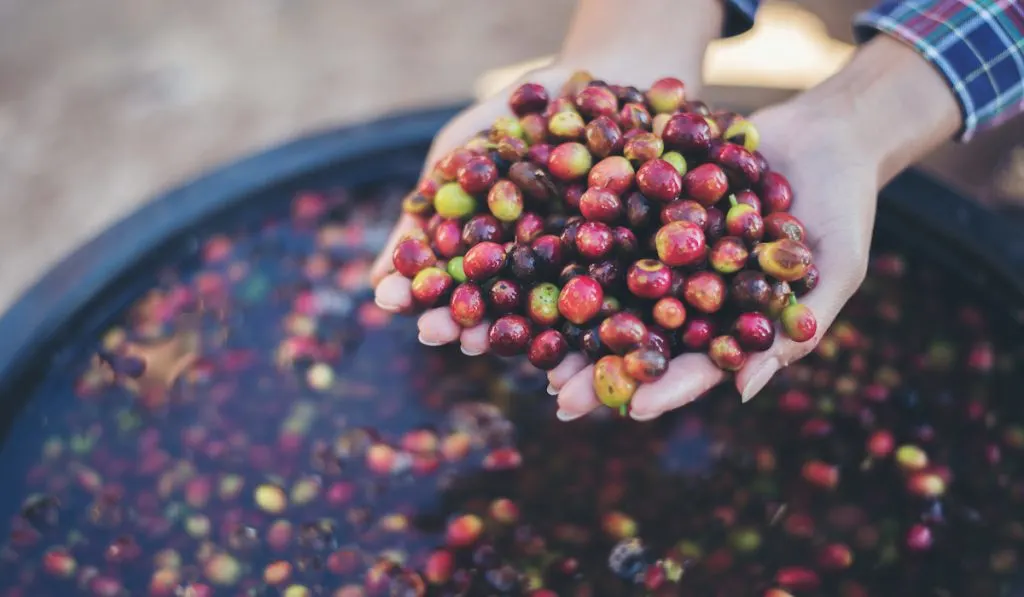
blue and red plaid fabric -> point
(978, 46)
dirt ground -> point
(104, 103)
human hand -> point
(837, 145)
(590, 45)
(393, 291)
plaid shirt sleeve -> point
(978, 46)
(739, 16)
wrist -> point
(635, 42)
(888, 105)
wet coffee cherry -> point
(612, 384)
(580, 299)
(601, 205)
(411, 256)
(646, 365)
(786, 260)
(542, 304)
(798, 322)
(754, 332)
(728, 255)
(776, 193)
(750, 291)
(622, 332)
(705, 292)
(481, 228)
(509, 335)
(649, 279)
(659, 180)
(467, 305)
(484, 261)
(505, 296)
(680, 244)
(697, 333)
(783, 225)
(727, 353)
(687, 133)
(706, 184)
(431, 286)
(547, 349)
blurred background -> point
(104, 103)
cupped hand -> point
(835, 187)
(393, 291)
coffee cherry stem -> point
(623, 410)
(732, 200)
(792, 299)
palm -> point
(834, 196)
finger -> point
(474, 340)
(570, 365)
(437, 327)
(382, 266)
(839, 282)
(577, 396)
(688, 377)
(393, 293)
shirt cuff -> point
(739, 16)
(976, 46)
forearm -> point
(638, 41)
(889, 102)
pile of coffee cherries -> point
(631, 226)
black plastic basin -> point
(204, 401)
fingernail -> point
(642, 416)
(468, 352)
(760, 379)
(552, 390)
(566, 417)
(385, 306)
(429, 343)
